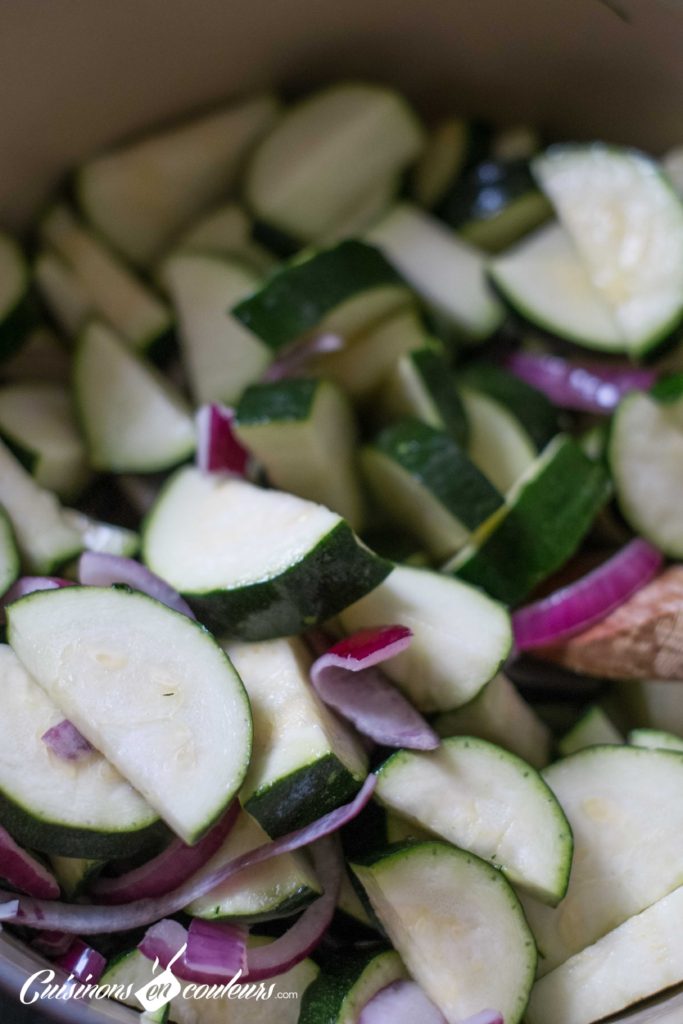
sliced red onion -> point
(218, 449)
(401, 1002)
(585, 387)
(97, 569)
(293, 360)
(347, 679)
(210, 953)
(65, 741)
(9, 909)
(22, 870)
(97, 919)
(83, 962)
(168, 870)
(485, 1017)
(574, 608)
(52, 944)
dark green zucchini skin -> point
(296, 298)
(535, 412)
(323, 1000)
(335, 574)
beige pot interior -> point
(77, 74)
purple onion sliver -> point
(216, 947)
(23, 871)
(218, 448)
(294, 359)
(66, 742)
(401, 1002)
(9, 909)
(485, 1017)
(581, 604)
(169, 869)
(83, 962)
(97, 569)
(97, 919)
(584, 387)
(52, 944)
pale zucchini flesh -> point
(150, 689)
(9, 555)
(655, 739)
(592, 729)
(498, 444)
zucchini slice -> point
(547, 514)
(42, 356)
(70, 808)
(16, 314)
(99, 536)
(64, 296)
(9, 556)
(644, 451)
(486, 800)
(456, 924)
(338, 995)
(148, 687)
(74, 873)
(113, 291)
(43, 534)
(38, 424)
(499, 714)
(452, 145)
(626, 222)
(607, 794)
(141, 195)
(305, 761)
(638, 959)
(303, 432)
(343, 290)
(536, 414)
(499, 446)
(327, 153)
(544, 283)
(448, 274)
(654, 739)
(460, 636)
(427, 485)
(366, 211)
(133, 419)
(421, 386)
(278, 887)
(255, 563)
(225, 231)
(220, 356)
(593, 729)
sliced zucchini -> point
(421, 386)
(499, 714)
(399, 830)
(427, 485)
(499, 446)
(594, 728)
(148, 687)
(338, 994)
(133, 419)
(276, 888)
(638, 959)
(548, 512)
(305, 761)
(627, 224)
(288, 563)
(71, 808)
(74, 873)
(366, 211)
(644, 451)
(349, 903)
(607, 794)
(114, 292)
(486, 800)
(303, 432)
(16, 313)
(42, 356)
(648, 703)
(326, 153)
(99, 536)
(544, 283)
(460, 636)
(452, 145)
(495, 203)
(44, 537)
(515, 142)
(537, 415)
(220, 356)
(141, 195)
(364, 363)
(64, 295)
(9, 556)
(225, 231)
(448, 274)
(654, 739)
(343, 290)
(451, 916)
(37, 423)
